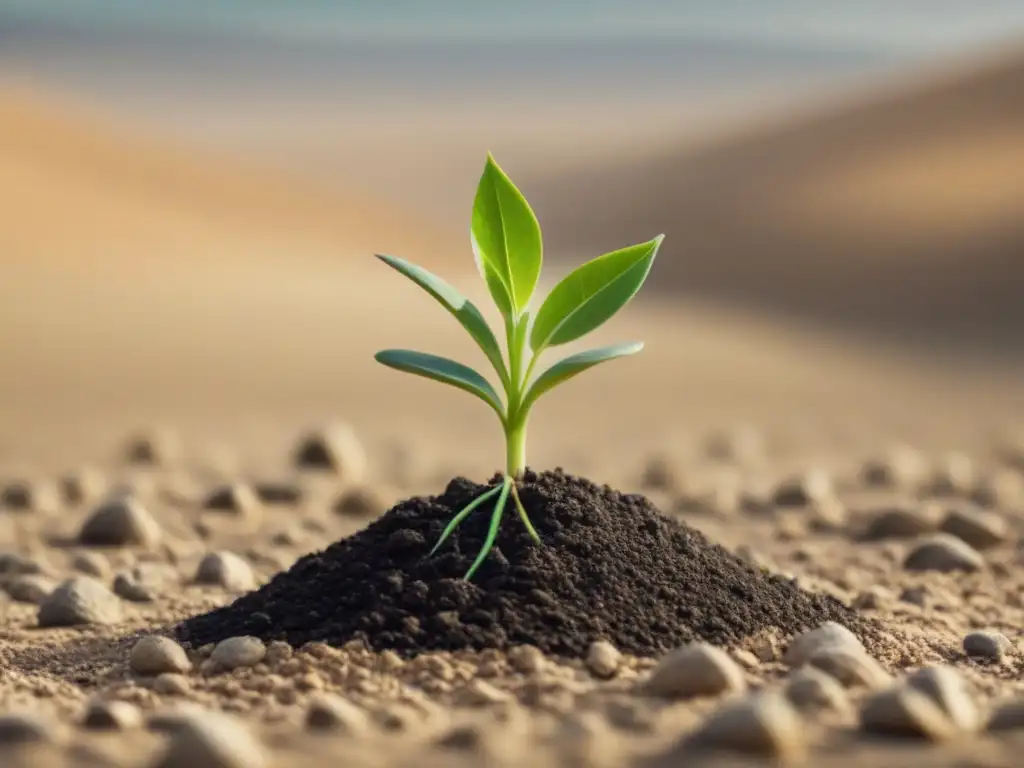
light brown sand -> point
(146, 286)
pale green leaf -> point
(444, 370)
(591, 294)
(576, 364)
(460, 307)
(506, 240)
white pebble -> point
(697, 669)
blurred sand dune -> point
(900, 212)
(143, 283)
(75, 189)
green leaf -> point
(462, 308)
(506, 240)
(591, 294)
(444, 370)
(576, 364)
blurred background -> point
(191, 194)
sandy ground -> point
(146, 286)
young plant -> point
(507, 245)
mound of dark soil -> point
(612, 567)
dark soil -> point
(612, 567)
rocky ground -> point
(100, 566)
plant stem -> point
(515, 447)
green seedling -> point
(507, 245)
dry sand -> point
(145, 285)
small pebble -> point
(120, 522)
(30, 496)
(763, 724)
(278, 492)
(112, 716)
(171, 684)
(363, 501)
(980, 528)
(227, 570)
(739, 444)
(527, 659)
(603, 659)
(12, 563)
(945, 553)
(243, 651)
(79, 600)
(810, 690)
(156, 447)
(659, 475)
(898, 522)
(17, 728)
(239, 498)
(829, 635)
(480, 693)
(804, 490)
(212, 740)
(904, 712)
(918, 596)
(697, 669)
(329, 712)
(986, 645)
(156, 654)
(127, 587)
(853, 668)
(872, 599)
(29, 588)
(1009, 716)
(948, 689)
(83, 485)
(336, 450)
(901, 467)
(954, 475)
(91, 564)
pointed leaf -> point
(444, 370)
(591, 294)
(506, 240)
(462, 308)
(576, 364)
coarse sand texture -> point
(611, 567)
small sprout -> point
(507, 245)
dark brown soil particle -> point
(612, 567)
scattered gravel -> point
(227, 570)
(212, 740)
(948, 689)
(905, 712)
(829, 635)
(603, 658)
(698, 669)
(78, 601)
(19, 728)
(112, 716)
(239, 498)
(986, 645)
(238, 652)
(120, 522)
(943, 552)
(812, 691)
(156, 654)
(330, 712)
(336, 450)
(29, 588)
(763, 724)
(978, 527)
